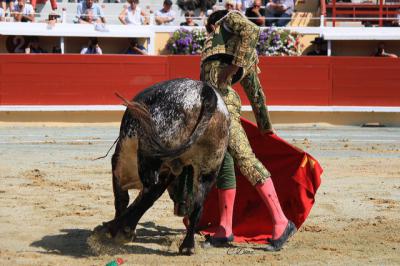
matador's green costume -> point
(234, 42)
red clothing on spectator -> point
(52, 2)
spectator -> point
(133, 15)
(230, 5)
(191, 5)
(280, 9)
(256, 14)
(93, 47)
(396, 22)
(52, 2)
(34, 46)
(380, 51)
(56, 49)
(2, 14)
(318, 47)
(243, 5)
(135, 48)
(89, 12)
(4, 5)
(23, 12)
(166, 15)
(189, 19)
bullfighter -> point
(230, 56)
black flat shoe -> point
(277, 244)
(217, 241)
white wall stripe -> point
(274, 108)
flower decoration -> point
(272, 42)
(275, 42)
(184, 41)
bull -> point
(171, 127)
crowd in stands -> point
(272, 13)
(261, 12)
(32, 45)
(21, 11)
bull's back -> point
(175, 107)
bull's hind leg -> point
(125, 173)
(204, 186)
(121, 197)
(129, 219)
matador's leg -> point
(249, 165)
(239, 146)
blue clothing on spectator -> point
(131, 51)
(281, 18)
(82, 10)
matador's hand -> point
(225, 74)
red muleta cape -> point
(296, 176)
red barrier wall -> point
(87, 80)
(366, 81)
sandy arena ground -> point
(52, 194)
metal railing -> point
(380, 9)
(323, 19)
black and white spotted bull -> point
(171, 126)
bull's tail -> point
(139, 111)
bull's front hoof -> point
(127, 235)
(118, 236)
(186, 250)
(187, 247)
(102, 231)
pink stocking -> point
(268, 194)
(226, 199)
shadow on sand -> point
(74, 242)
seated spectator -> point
(10, 3)
(34, 46)
(133, 14)
(396, 22)
(189, 19)
(318, 47)
(23, 12)
(89, 12)
(56, 49)
(52, 2)
(92, 48)
(2, 14)
(256, 14)
(380, 51)
(243, 5)
(280, 9)
(191, 5)
(135, 48)
(166, 15)
(230, 5)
